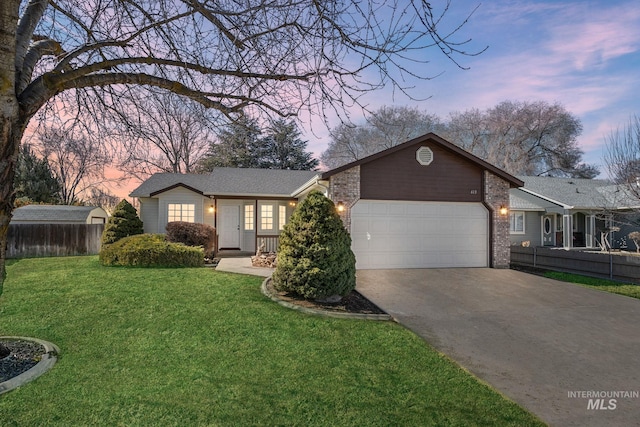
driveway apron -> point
(569, 354)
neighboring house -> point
(426, 203)
(59, 214)
(570, 213)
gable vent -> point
(424, 156)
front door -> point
(548, 230)
(229, 227)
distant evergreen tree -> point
(122, 223)
(242, 145)
(315, 259)
(34, 180)
(238, 145)
(284, 149)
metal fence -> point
(44, 240)
(611, 265)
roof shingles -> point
(230, 181)
(578, 193)
(48, 213)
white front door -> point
(229, 226)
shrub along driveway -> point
(535, 339)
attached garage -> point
(426, 203)
(411, 234)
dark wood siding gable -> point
(399, 176)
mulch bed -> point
(355, 302)
(24, 356)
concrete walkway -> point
(242, 265)
(552, 347)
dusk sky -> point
(582, 54)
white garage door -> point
(388, 234)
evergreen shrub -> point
(122, 223)
(315, 259)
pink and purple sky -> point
(584, 54)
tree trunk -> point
(10, 136)
(11, 126)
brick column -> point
(345, 187)
(496, 195)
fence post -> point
(535, 254)
(610, 265)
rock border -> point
(49, 358)
(319, 312)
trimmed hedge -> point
(192, 234)
(150, 250)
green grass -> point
(627, 289)
(196, 347)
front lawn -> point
(197, 347)
(627, 289)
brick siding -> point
(496, 195)
(345, 187)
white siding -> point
(183, 195)
(149, 214)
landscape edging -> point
(318, 312)
(49, 358)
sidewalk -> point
(242, 266)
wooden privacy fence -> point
(43, 240)
(610, 265)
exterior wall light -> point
(292, 204)
(504, 210)
(212, 208)
(340, 207)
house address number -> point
(474, 191)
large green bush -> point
(315, 258)
(192, 234)
(123, 222)
(150, 250)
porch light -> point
(504, 210)
(340, 207)
(292, 204)
(212, 209)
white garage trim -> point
(403, 234)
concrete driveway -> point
(553, 347)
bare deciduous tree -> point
(99, 196)
(277, 57)
(622, 158)
(77, 160)
(168, 134)
(386, 127)
(525, 138)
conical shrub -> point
(123, 222)
(315, 259)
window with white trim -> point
(266, 217)
(181, 212)
(248, 217)
(282, 216)
(516, 222)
